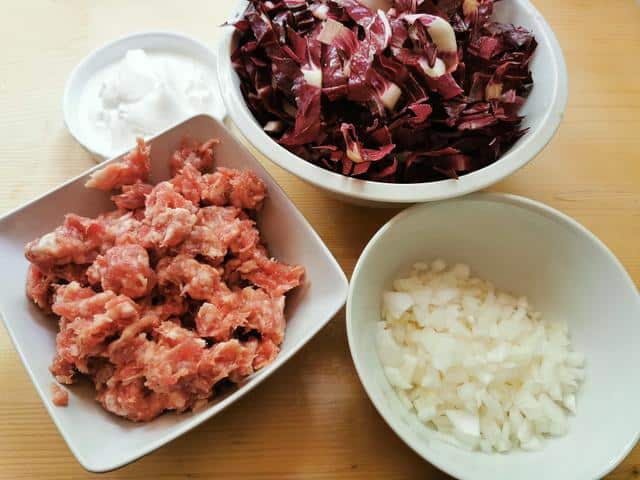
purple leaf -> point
(431, 89)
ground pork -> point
(77, 240)
(199, 156)
(123, 269)
(134, 167)
(170, 293)
(59, 396)
(132, 196)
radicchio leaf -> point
(442, 35)
(426, 90)
(356, 152)
(307, 91)
(335, 34)
(334, 79)
(361, 14)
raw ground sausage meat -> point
(170, 293)
(59, 396)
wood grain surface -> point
(312, 419)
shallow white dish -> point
(101, 441)
(543, 110)
(113, 52)
(566, 272)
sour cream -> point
(142, 94)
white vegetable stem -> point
(438, 69)
(313, 76)
(440, 31)
(391, 96)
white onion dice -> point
(477, 364)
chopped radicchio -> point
(428, 90)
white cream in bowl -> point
(142, 94)
(139, 85)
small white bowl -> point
(99, 440)
(567, 273)
(112, 53)
(543, 110)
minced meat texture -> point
(155, 298)
(134, 167)
(132, 196)
(123, 269)
(59, 396)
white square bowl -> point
(99, 440)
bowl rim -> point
(519, 155)
(501, 198)
(67, 109)
(187, 423)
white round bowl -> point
(567, 274)
(543, 111)
(113, 52)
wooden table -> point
(314, 419)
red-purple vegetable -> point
(429, 89)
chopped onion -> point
(478, 365)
